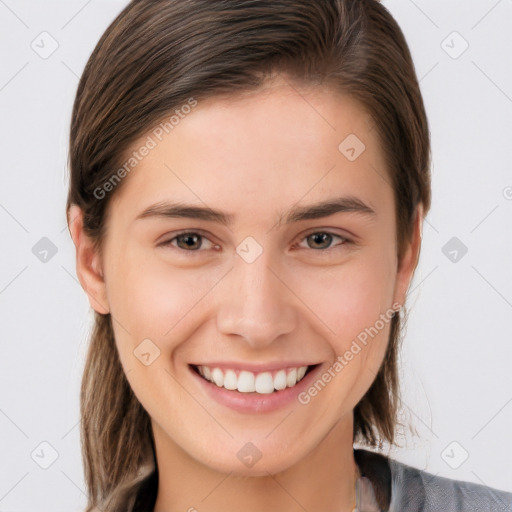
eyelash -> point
(344, 240)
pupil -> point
(190, 238)
(321, 237)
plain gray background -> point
(457, 383)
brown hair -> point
(156, 56)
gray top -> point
(388, 485)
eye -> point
(193, 241)
(323, 240)
(190, 241)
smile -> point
(250, 388)
(249, 382)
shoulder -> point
(414, 489)
(397, 487)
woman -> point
(248, 184)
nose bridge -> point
(257, 305)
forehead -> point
(271, 146)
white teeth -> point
(301, 372)
(264, 383)
(248, 382)
(230, 380)
(280, 380)
(218, 377)
(291, 378)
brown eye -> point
(320, 240)
(190, 241)
(323, 240)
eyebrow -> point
(319, 210)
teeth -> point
(218, 377)
(230, 381)
(280, 380)
(291, 378)
(264, 383)
(248, 382)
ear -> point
(88, 262)
(409, 260)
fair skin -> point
(303, 300)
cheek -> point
(349, 298)
(150, 298)
(353, 305)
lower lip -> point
(256, 402)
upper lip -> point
(255, 368)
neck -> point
(322, 480)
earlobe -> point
(410, 259)
(88, 263)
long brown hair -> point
(153, 58)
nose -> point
(256, 304)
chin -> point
(241, 464)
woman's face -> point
(266, 281)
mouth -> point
(254, 383)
